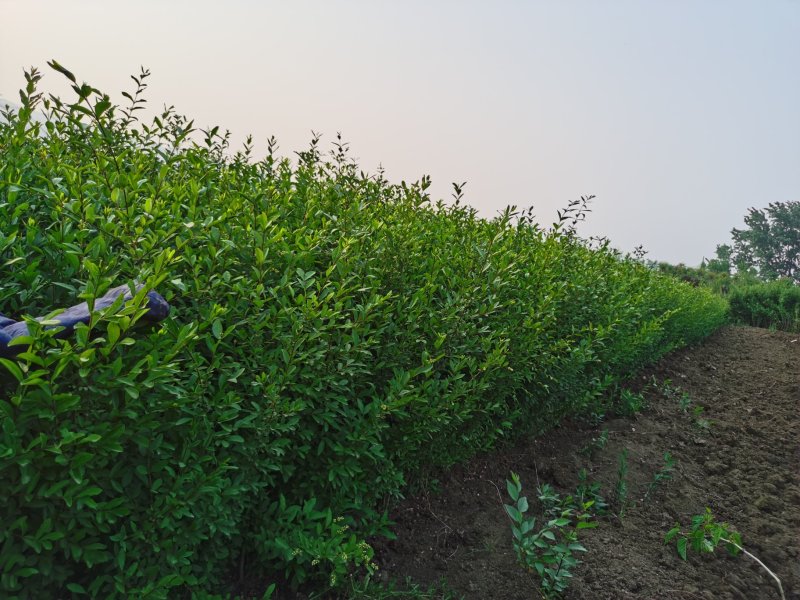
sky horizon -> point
(677, 116)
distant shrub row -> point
(753, 301)
(775, 304)
(333, 336)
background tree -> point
(770, 243)
(722, 262)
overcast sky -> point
(677, 115)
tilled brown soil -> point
(745, 466)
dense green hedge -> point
(772, 304)
(333, 335)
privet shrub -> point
(332, 336)
(773, 304)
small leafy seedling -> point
(666, 386)
(548, 552)
(549, 499)
(621, 489)
(699, 420)
(596, 444)
(706, 534)
(671, 392)
(630, 403)
(590, 492)
(662, 475)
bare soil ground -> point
(745, 466)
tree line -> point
(767, 247)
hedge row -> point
(333, 335)
(772, 304)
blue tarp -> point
(157, 310)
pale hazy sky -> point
(678, 115)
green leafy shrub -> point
(773, 304)
(713, 274)
(333, 336)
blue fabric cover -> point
(157, 310)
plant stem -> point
(763, 566)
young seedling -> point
(662, 475)
(706, 534)
(665, 387)
(699, 421)
(549, 498)
(597, 443)
(590, 492)
(548, 552)
(621, 489)
(684, 401)
(671, 392)
(630, 403)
